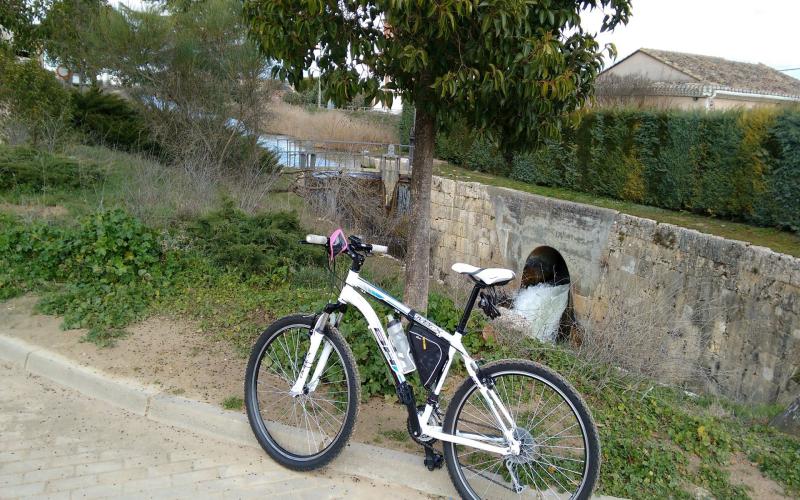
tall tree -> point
(516, 67)
(73, 35)
(20, 25)
(199, 81)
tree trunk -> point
(419, 235)
(789, 421)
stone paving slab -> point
(115, 471)
(57, 443)
(367, 461)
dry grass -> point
(327, 125)
(651, 336)
(357, 205)
(654, 334)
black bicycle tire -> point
(285, 458)
(498, 367)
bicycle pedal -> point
(433, 459)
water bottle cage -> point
(488, 304)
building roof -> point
(720, 73)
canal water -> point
(543, 305)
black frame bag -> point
(430, 353)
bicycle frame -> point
(350, 295)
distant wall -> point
(640, 64)
(748, 341)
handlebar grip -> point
(380, 249)
(316, 239)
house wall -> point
(718, 103)
(723, 103)
(736, 307)
(643, 65)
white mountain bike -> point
(514, 428)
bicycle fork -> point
(317, 337)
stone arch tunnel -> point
(603, 252)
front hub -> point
(528, 447)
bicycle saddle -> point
(488, 276)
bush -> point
(741, 165)
(483, 156)
(464, 147)
(31, 170)
(110, 268)
(307, 97)
(109, 120)
(779, 205)
(266, 243)
(34, 100)
(453, 144)
(553, 164)
(406, 123)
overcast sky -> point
(754, 31)
(765, 31)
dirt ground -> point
(745, 473)
(179, 359)
(36, 211)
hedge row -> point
(741, 165)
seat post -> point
(462, 325)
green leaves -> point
(30, 170)
(512, 66)
(265, 243)
(109, 269)
(32, 96)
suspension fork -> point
(316, 338)
(496, 407)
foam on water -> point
(543, 304)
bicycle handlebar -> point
(379, 249)
(316, 239)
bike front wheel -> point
(308, 430)
(559, 454)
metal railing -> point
(339, 155)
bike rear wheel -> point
(560, 450)
(306, 431)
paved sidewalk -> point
(57, 443)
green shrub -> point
(266, 243)
(781, 203)
(306, 97)
(244, 153)
(32, 170)
(740, 165)
(406, 123)
(34, 99)
(110, 269)
(109, 120)
(483, 156)
(454, 144)
(553, 164)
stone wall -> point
(738, 305)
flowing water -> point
(543, 304)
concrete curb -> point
(357, 459)
(126, 394)
(15, 351)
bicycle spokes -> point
(552, 456)
(308, 421)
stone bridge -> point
(727, 307)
